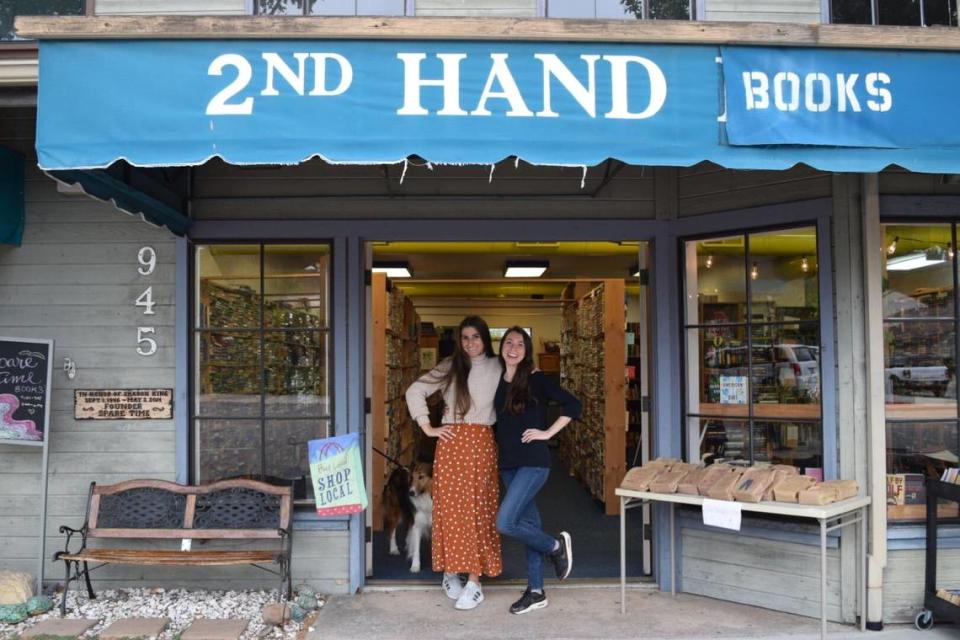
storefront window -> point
(920, 354)
(261, 360)
(753, 348)
(914, 13)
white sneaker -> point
(470, 598)
(451, 585)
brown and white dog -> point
(408, 498)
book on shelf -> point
(950, 474)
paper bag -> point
(639, 478)
(753, 484)
(723, 488)
(788, 488)
(667, 481)
(711, 475)
(690, 482)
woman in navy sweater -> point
(522, 435)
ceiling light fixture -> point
(755, 271)
(804, 264)
(393, 268)
(915, 260)
(709, 262)
(525, 268)
(892, 248)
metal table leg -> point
(673, 561)
(823, 579)
(623, 555)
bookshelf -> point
(396, 365)
(592, 356)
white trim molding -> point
(19, 72)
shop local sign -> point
(337, 475)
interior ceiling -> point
(474, 270)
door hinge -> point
(645, 404)
(644, 276)
(368, 277)
(368, 534)
(367, 406)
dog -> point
(408, 499)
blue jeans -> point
(518, 517)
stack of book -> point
(950, 595)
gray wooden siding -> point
(169, 7)
(903, 581)
(797, 11)
(708, 188)
(783, 576)
(485, 8)
(74, 280)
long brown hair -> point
(459, 370)
(519, 394)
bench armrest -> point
(70, 532)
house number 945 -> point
(146, 344)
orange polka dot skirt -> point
(466, 491)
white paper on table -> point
(721, 513)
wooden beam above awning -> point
(472, 28)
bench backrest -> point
(160, 509)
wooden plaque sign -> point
(123, 404)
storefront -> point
(760, 183)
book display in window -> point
(396, 365)
(592, 356)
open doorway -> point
(584, 304)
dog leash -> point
(393, 460)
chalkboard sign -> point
(25, 368)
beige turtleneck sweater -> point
(484, 377)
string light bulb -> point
(950, 250)
(804, 265)
(892, 248)
(709, 261)
(755, 271)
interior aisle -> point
(563, 504)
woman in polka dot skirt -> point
(465, 484)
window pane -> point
(783, 275)
(850, 12)
(295, 285)
(786, 370)
(919, 370)
(227, 448)
(899, 12)
(228, 375)
(724, 439)
(940, 12)
(280, 7)
(9, 9)
(296, 381)
(286, 451)
(918, 272)
(332, 8)
(916, 451)
(616, 9)
(228, 286)
(722, 386)
(716, 281)
(381, 7)
(571, 9)
(669, 9)
(799, 444)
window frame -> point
(193, 361)
(747, 325)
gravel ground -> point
(182, 606)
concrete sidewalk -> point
(575, 612)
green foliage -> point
(284, 7)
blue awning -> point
(11, 197)
(176, 103)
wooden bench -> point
(159, 510)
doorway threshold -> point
(382, 586)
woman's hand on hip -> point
(445, 433)
(532, 435)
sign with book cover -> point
(25, 371)
(337, 475)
